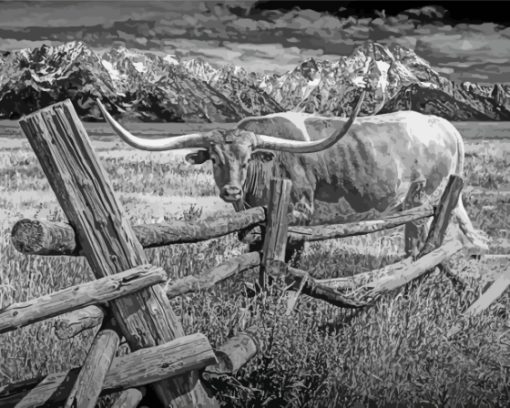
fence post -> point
(84, 192)
(441, 219)
(275, 240)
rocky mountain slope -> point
(134, 85)
(399, 80)
(145, 86)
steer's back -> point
(372, 166)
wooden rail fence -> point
(126, 299)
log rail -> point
(41, 237)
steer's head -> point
(229, 150)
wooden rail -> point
(41, 237)
(75, 297)
(229, 268)
(142, 367)
(315, 289)
(400, 274)
(397, 274)
(324, 232)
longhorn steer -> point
(341, 169)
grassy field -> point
(320, 356)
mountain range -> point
(146, 86)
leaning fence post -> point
(442, 215)
(275, 240)
(109, 243)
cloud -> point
(86, 13)
(13, 44)
(271, 40)
(427, 12)
(490, 72)
(465, 47)
(253, 57)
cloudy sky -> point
(464, 40)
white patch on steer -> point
(420, 131)
(420, 127)
(297, 119)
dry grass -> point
(320, 356)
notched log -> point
(235, 353)
(75, 297)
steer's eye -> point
(213, 160)
(244, 165)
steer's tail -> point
(477, 237)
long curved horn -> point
(295, 146)
(192, 140)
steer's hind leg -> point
(479, 239)
(415, 232)
(302, 213)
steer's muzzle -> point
(231, 193)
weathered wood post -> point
(89, 384)
(275, 240)
(84, 192)
(443, 213)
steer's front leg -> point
(302, 211)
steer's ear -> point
(263, 155)
(197, 157)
